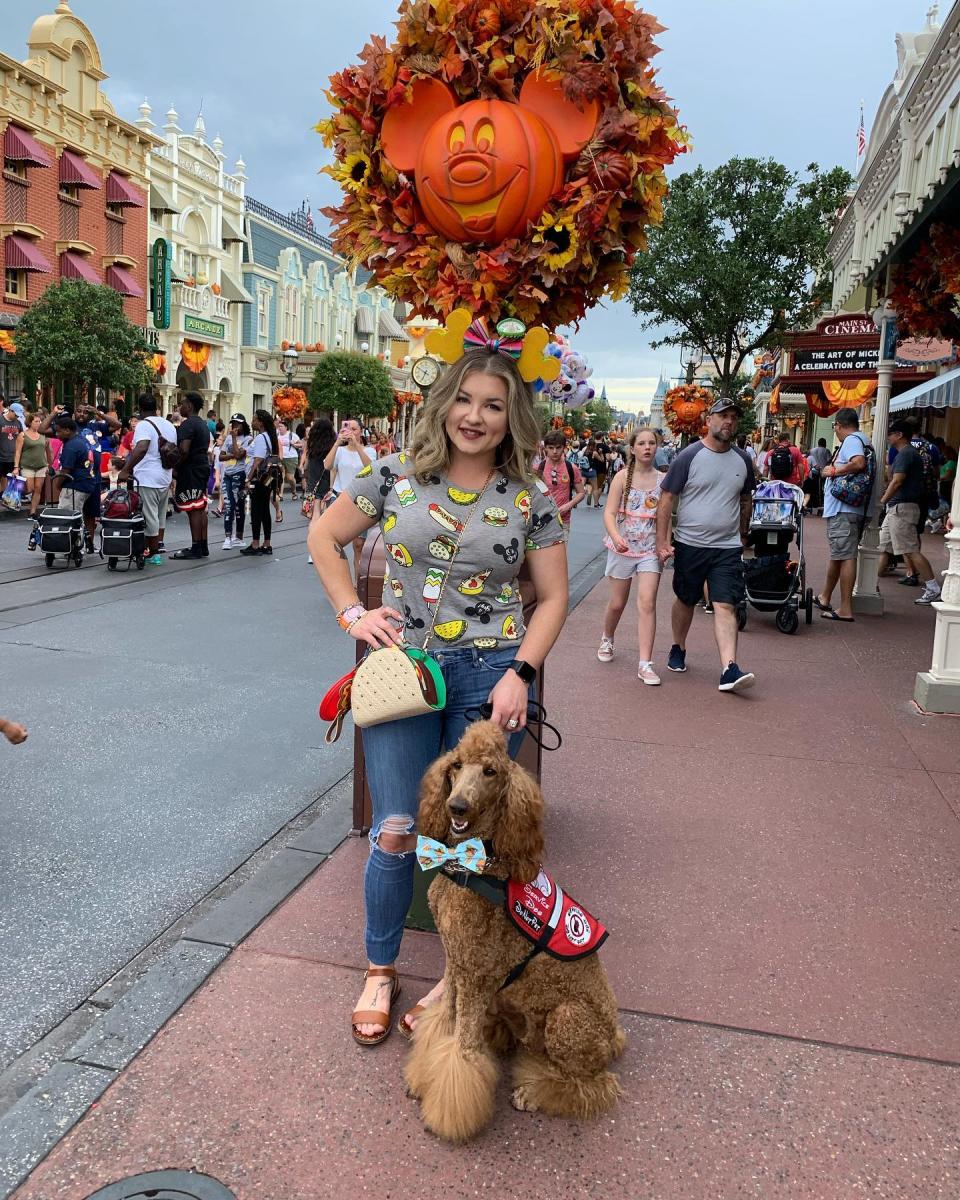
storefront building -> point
(896, 251)
(306, 297)
(196, 240)
(74, 179)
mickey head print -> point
(411, 621)
(389, 479)
(509, 553)
(480, 611)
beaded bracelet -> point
(356, 611)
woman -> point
(630, 518)
(320, 440)
(598, 466)
(466, 476)
(31, 461)
(233, 479)
(763, 458)
(290, 456)
(262, 480)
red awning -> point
(23, 147)
(75, 266)
(77, 172)
(23, 255)
(120, 279)
(121, 191)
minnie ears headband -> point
(511, 337)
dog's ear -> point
(433, 820)
(518, 838)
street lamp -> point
(365, 347)
(691, 356)
(289, 357)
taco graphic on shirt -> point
(450, 631)
(461, 497)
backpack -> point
(169, 451)
(120, 504)
(781, 463)
(931, 476)
(543, 467)
(855, 490)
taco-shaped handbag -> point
(396, 682)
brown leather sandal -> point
(373, 1016)
(404, 1028)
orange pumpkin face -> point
(688, 410)
(486, 168)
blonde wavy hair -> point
(431, 446)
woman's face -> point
(645, 448)
(255, 422)
(476, 421)
(35, 423)
(281, 428)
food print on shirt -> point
(422, 523)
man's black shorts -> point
(720, 569)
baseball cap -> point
(237, 417)
(722, 404)
(903, 427)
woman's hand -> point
(509, 699)
(378, 627)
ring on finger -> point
(512, 723)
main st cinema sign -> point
(840, 345)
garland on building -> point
(290, 403)
(685, 407)
(564, 90)
(925, 289)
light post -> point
(289, 359)
(691, 357)
(866, 591)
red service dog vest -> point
(545, 915)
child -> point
(14, 733)
(630, 518)
(562, 479)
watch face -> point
(425, 371)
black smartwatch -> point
(527, 673)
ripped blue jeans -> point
(232, 496)
(397, 755)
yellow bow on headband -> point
(462, 333)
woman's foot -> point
(380, 991)
(251, 549)
(408, 1021)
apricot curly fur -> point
(560, 1016)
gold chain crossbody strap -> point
(453, 558)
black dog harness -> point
(541, 911)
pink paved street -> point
(779, 872)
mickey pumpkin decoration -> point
(684, 408)
(507, 157)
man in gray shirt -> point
(714, 479)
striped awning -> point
(230, 231)
(159, 201)
(390, 327)
(121, 191)
(120, 279)
(75, 266)
(23, 255)
(232, 291)
(941, 392)
(364, 320)
(21, 146)
(77, 172)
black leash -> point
(495, 891)
(536, 716)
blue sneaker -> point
(155, 560)
(735, 680)
(677, 659)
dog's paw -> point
(522, 1099)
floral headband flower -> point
(511, 337)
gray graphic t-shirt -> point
(421, 525)
(709, 484)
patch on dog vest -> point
(552, 920)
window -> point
(291, 316)
(13, 166)
(258, 399)
(190, 263)
(70, 191)
(317, 326)
(116, 210)
(263, 316)
(15, 284)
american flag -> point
(861, 138)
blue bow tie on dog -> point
(469, 854)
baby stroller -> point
(774, 581)
(59, 531)
(122, 528)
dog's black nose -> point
(457, 809)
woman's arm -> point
(548, 571)
(612, 508)
(336, 528)
(17, 449)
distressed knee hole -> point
(395, 835)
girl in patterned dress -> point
(630, 519)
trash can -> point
(370, 591)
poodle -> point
(560, 1017)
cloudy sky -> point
(778, 78)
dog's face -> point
(478, 774)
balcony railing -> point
(293, 224)
(199, 300)
(15, 198)
(69, 220)
(115, 234)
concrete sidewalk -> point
(779, 871)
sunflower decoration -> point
(684, 408)
(503, 155)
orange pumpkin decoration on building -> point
(486, 168)
(215, 288)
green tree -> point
(77, 334)
(351, 383)
(740, 258)
(599, 415)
